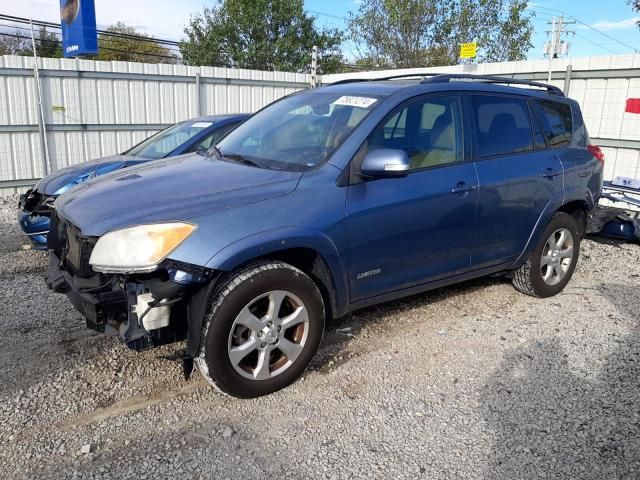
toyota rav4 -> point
(326, 201)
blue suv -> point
(324, 202)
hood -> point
(62, 180)
(169, 190)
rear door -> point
(567, 136)
(407, 231)
(518, 176)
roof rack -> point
(448, 77)
(391, 77)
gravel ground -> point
(473, 381)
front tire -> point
(263, 326)
(551, 265)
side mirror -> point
(385, 163)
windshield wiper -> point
(240, 159)
(216, 151)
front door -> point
(406, 231)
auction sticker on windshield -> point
(201, 125)
(351, 101)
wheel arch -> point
(312, 252)
(578, 208)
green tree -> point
(47, 44)
(420, 33)
(14, 44)
(19, 43)
(124, 48)
(635, 4)
(262, 35)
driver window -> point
(429, 130)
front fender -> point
(272, 241)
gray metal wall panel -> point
(119, 96)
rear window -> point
(556, 122)
(503, 125)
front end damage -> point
(143, 310)
(34, 216)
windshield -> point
(167, 140)
(298, 132)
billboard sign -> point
(79, 34)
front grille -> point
(71, 247)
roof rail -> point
(391, 77)
(448, 77)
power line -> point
(109, 49)
(586, 25)
(59, 35)
(330, 15)
(41, 23)
(596, 44)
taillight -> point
(597, 152)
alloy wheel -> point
(268, 335)
(557, 256)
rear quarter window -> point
(556, 120)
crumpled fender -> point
(264, 243)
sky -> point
(616, 32)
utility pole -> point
(42, 126)
(314, 66)
(557, 46)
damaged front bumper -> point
(34, 217)
(143, 310)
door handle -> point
(463, 188)
(550, 173)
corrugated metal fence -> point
(93, 109)
(600, 84)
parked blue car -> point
(324, 202)
(184, 137)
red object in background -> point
(633, 105)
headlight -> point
(138, 249)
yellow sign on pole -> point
(468, 50)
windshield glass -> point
(298, 132)
(167, 140)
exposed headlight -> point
(138, 249)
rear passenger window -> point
(556, 122)
(503, 125)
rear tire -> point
(263, 326)
(552, 263)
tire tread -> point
(226, 286)
(523, 277)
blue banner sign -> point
(79, 34)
